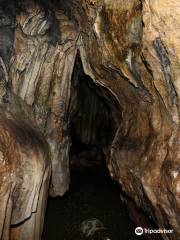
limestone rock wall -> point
(136, 57)
(40, 73)
(131, 48)
(25, 167)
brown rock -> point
(130, 48)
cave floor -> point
(91, 209)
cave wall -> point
(130, 48)
(130, 51)
(40, 74)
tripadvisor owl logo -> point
(139, 231)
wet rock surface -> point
(91, 210)
(129, 49)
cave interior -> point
(92, 124)
(89, 119)
(91, 209)
(94, 198)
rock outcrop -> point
(131, 49)
(25, 168)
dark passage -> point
(92, 200)
(94, 116)
(92, 208)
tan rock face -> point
(131, 48)
(24, 177)
(25, 167)
(143, 57)
(41, 76)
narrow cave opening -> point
(92, 208)
(91, 122)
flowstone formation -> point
(131, 50)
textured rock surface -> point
(41, 76)
(24, 176)
(131, 48)
(24, 168)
